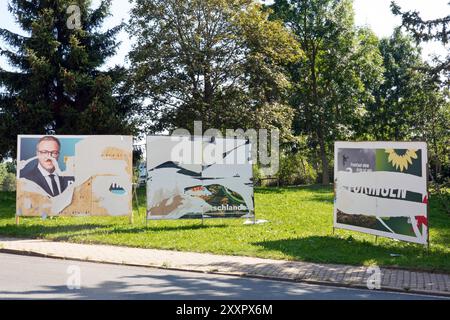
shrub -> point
(295, 170)
(7, 178)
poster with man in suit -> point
(43, 171)
(74, 175)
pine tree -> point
(57, 84)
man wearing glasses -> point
(44, 173)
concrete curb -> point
(235, 274)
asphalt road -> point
(24, 277)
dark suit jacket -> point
(36, 176)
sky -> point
(374, 13)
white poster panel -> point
(227, 177)
(74, 175)
(193, 177)
(173, 178)
(381, 189)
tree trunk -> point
(324, 159)
(323, 151)
(437, 164)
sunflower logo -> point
(401, 161)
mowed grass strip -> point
(299, 228)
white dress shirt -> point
(46, 175)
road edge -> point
(235, 274)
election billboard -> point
(198, 177)
(381, 189)
(74, 175)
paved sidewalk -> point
(343, 275)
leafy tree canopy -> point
(219, 61)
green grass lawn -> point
(299, 228)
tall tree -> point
(398, 100)
(56, 84)
(331, 84)
(428, 30)
(434, 118)
(409, 104)
(218, 61)
(433, 126)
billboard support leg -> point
(254, 207)
(429, 175)
(136, 201)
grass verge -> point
(299, 228)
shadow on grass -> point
(269, 190)
(333, 249)
(38, 230)
(321, 198)
(313, 188)
(164, 228)
(69, 231)
(89, 235)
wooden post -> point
(254, 208)
(428, 205)
(17, 220)
(334, 206)
(137, 200)
(145, 217)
